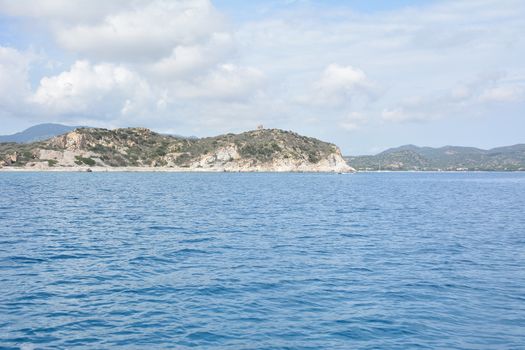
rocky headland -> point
(140, 149)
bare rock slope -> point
(140, 148)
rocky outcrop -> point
(10, 159)
(219, 157)
(72, 141)
(13, 157)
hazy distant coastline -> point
(448, 158)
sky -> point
(365, 75)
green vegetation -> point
(81, 160)
(24, 152)
(511, 158)
(141, 147)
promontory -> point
(140, 149)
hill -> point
(258, 150)
(37, 133)
(410, 157)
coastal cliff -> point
(141, 149)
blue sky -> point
(366, 75)
(247, 9)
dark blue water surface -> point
(262, 261)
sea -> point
(262, 261)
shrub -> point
(313, 158)
(160, 151)
(81, 160)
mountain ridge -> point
(37, 132)
(450, 158)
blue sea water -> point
(262, 261)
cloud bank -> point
(189, 66)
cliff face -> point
(259, 150)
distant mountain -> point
(37, 133)
(410, 157)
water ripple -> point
(262, 261)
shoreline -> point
(440, 171)
(155, 170)
(210, 170)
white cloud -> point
(422, 51)
(338, 85)
(142, 33)
(108, 92)
(137, 58)
(14, 78)
(404, 113)
(353, 121)
(505, 93)
(123, 30)
(62, 10)
(186, 60)
(463, 99)
(281, 66)
(102, 90)
(227, 81)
